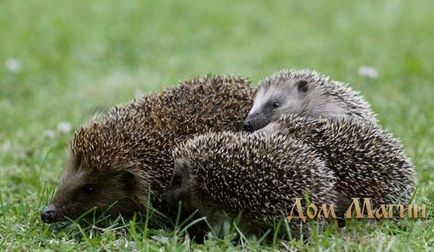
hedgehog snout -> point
(247, 126)
(256, 121)
(48, 214)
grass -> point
(61, 60)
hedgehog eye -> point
(176, 181)
(302, 86)
(89, 189)
(275, 105)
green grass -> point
(79, 55)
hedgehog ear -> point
(180, 164)
(74, 161)
(182, 167)
(302, 86)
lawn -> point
(61, 60)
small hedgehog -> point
(256, 174)
(367, 161)
(115, 160)
(304, 92)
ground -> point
(59, 61)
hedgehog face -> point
(275, 99)
(181, 186)
(82, 189)
(183, 190)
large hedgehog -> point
(307, 93)
(367, 161)
(254, 174)
(117, 161)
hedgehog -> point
(120, 161)
(304, 92)
(367, 161)
(223, 174)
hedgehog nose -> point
(48, 214)
(247, 126)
